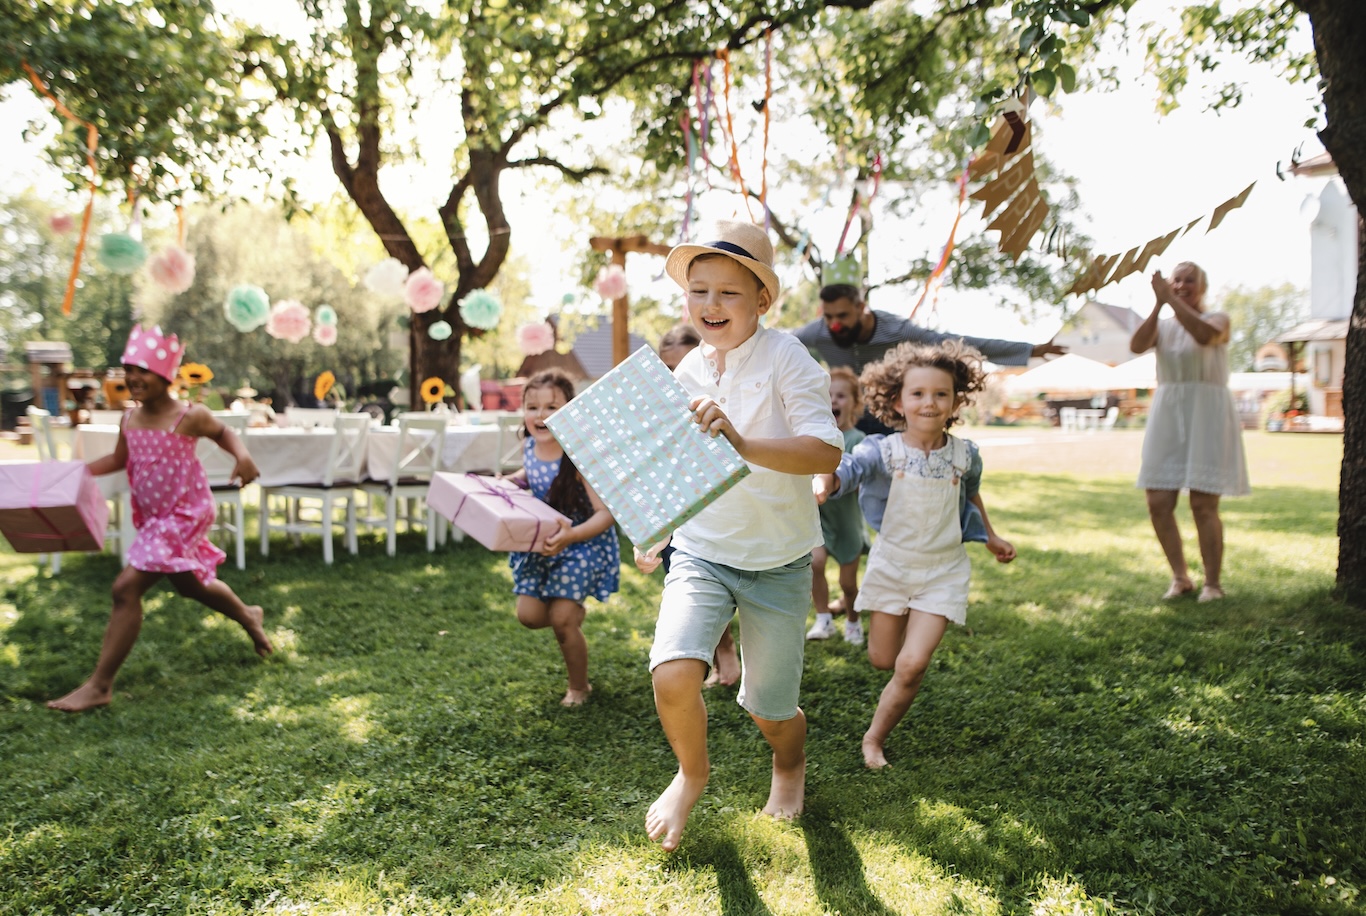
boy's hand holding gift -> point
(708, 414)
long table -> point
(291, 455)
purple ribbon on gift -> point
(504, 494)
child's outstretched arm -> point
(1002, 549)
(596, 524)
(794, 455)
(200, 422)
(648, 560)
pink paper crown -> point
(153, 351)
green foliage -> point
(1257, 316)
(1081, 748)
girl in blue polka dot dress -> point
(583, 557)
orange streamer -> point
(768, 98)
(92, 136)
(724, 54)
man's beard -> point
(845, 336)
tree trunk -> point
(1340, 46)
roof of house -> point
(594, 347)
(1123, 316)
(1318, 329)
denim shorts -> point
(699, 599)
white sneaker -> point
(853, 632)
(824, 627)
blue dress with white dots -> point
(591, 567)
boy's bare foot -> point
(1178, 588)
(255, 618)
(668, 815)
(836, 606)
(873, 756)
(574, 697)
(86, 696)
(787, 792)
(727, 667)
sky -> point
(1138, 175)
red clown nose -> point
(836, 326)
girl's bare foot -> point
(574, 697)
(1210, 593)
(255, 618)
(668, 815)
(873, 756)
(787, 792)
(86, 696)
(1179, 587)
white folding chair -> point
(345, 468)
(230, 515)
(509, 443)
(41, 422)
(420, 443)
(311, 416)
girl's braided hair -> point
(882, 381)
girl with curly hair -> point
(918, 488)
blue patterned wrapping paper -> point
(633, 438)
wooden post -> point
(621, 312)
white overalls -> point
(918, 560)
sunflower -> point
(195, 374)
(433, 390)
(323, 385)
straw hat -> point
(743, 242)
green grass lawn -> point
(1082, 747)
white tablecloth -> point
(299, 456)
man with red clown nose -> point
(851, 334)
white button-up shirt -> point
(771, 389)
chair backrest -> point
(346, 460)
(509, 443)
(1111, 415)
(421, 441)
(237, 422)
(310, 416)
(106, 417)
(41, 421)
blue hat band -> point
(731, 248)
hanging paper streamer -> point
(858, 201)
(936, 278)
(92, 137)
(768, 97)
(121, 253)
(247, 307)
(289, 321)
(481, 309)
(1106, 269)
(1010, 154)
(172, 269)
(724, 56)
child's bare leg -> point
(921, 635)
(125, 623)
(217, 596)
(725, 667)
(849, 586)
(820, 588)
(566, 618)
(787, 790)
(682, 712)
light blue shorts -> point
(699, 598)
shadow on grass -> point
(837, 867)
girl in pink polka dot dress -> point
(173, 510)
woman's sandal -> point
(1178, 589)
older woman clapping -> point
(1193, 439)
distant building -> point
(1321, 342)
(589, 359)
(1100, 332)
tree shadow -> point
(836, 867)
(738, 894)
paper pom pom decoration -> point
(423, 292)
(247, 307)
(61, 223)
(122, 253)
(323, 384)
(535, 337)
(289, 320)
(325, 334)
(433, 390)
(611, 282)
(324, 314)
(386, 278)
(173, 269)
(481, 309)
(440, 330)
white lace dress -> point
(1193, 439)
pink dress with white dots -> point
(173, 508)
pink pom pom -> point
(423, 292)
(535, 338)
(325, 334)
(173, 268)
(61, 223)
(289, 320)
(611, 282)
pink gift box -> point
(51, 507)
(495, 512)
